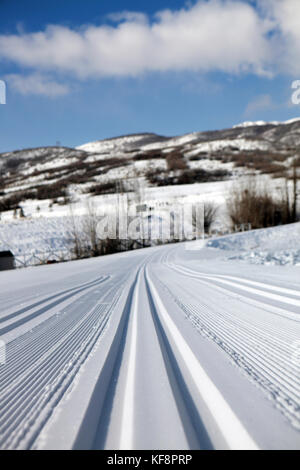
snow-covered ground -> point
(172, 347)
(273, 246)
(240, 144)
(49, 228)
(38, 235)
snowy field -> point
(173, 347)
(47, 228)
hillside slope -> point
(114, 165)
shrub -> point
(162, 178)
(13, 163)
(8, 203)
(103, 188)
(52, 191)
(249, 203)
(175, 161)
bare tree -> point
(91, 220)
(76, 235)
(292, 174)
(210, 215)
(290, 191)
(251, 203)
(295, 178)
(209, 212)
(287, 200)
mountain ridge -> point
(98, 167)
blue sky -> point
(110, 68)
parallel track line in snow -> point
(13, 314)
(192, 422)
(24, 402)
(229, 425)
(259, 285)
(270, 308)
(127, 420)
(111, 371)
(257, 291)
(29, 395)
(36, 313)
(263, 326)
(123, 404)
(144, 379)
(245, 342)
(262, 285)
(31, 347)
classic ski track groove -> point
(44, 360)
(261, 349)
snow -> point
(291, 121)
(272, 246)
(185, 346)
(31, 154)
(36, 236)
(111, 145)
(48, 227)
(217, 145)
(59, 162)
(228, 423)
(212, 165)
(173, 142)
(265, 123)
(255, 123)
(161, 348)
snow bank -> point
(272, 246)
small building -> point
(7, 260)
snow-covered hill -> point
(114, 165)
(199, 165)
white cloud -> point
(230, 36)
(36, 84)
(224, 35)
(285, 15)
